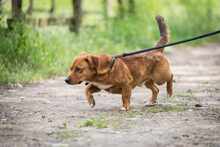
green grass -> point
(99, 123)
(134, 113)
(186, 94)
(65, 134)
(166, 108)
(26, 55)
(30, 54)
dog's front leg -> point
(90, 89)
(126, 94)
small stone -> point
(185, 135)
(189, 91)
(4, 119)
(19, 85)
(198, 105)
(190, 110)
(22, 98)
(35, 139)
(175, 137)
(59, 145)
(195, 143)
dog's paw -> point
(150, 104)
(123, 109)
(92, 103)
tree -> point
(30, 7)
(16, 8)
(52, 9)
(77, 16)
(121, 8)
(0, 7)
(131, 6)
(105, 9)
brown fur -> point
(150, 68)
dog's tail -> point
(164, 37)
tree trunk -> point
(121, 8)
(30, 7)
(131, 6)
(0, 7)
(16, 8)
(77, 16)
(105, 9)
(209, 10)
(53, 6)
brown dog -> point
(123, 74)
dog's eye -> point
(77, 69)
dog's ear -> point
(92, 61)
(104, 62)
(100, 63)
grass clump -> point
(186, 94)
(166, 108)
(65, 134)
(134, 113)
(94, 122)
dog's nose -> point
(67, 80)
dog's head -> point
(85, 67)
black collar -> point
(112, 61)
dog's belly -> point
(101, 86)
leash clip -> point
(112, 61)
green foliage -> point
(24, 55)
(185, 18)
(28, 54)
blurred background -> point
(39, 38)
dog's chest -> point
(101, 86)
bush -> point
(24, 55)
(28, 54)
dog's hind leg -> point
(90, 89)
(170, 86)
(153, 99)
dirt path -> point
(52, 113)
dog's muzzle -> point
(68, 81)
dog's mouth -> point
(68, 81)
(75, 83)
